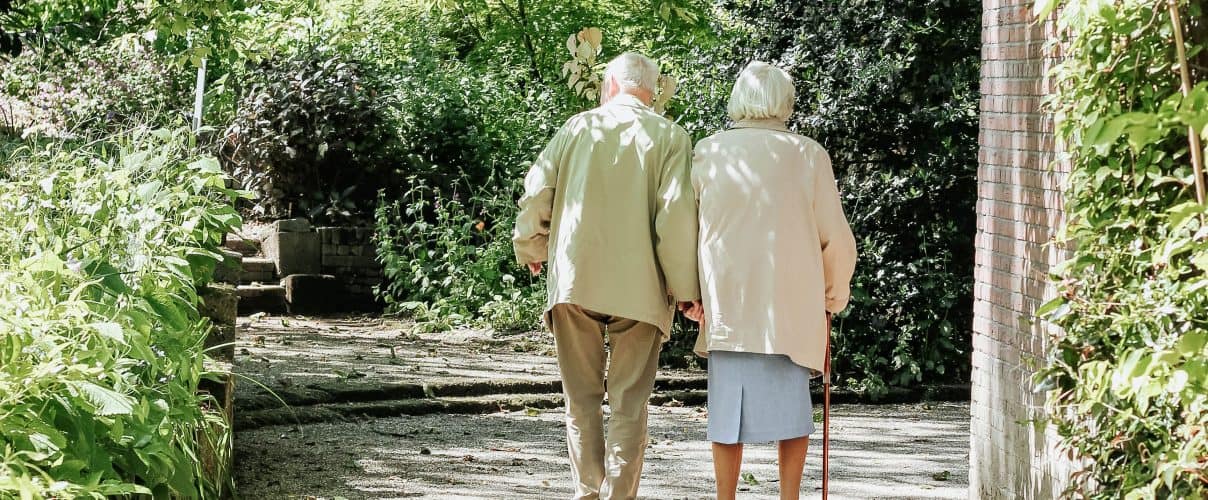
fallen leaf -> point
(749, 478)
(941, 476)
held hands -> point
(694, 310)
(535, 268)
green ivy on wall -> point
(1128, 374)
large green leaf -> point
(104, 400)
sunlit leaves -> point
(99, 337)
(583, 72)
(1129, 361)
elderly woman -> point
(776, 258)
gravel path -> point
(878, 451)
(295, 355)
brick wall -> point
(1018, 210)
(348, 254)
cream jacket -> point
(610, 206)
(776, 252)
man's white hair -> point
(762, 92)
(633, 71)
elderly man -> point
(609, 204)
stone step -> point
(492, 403)
(259, 270)
(261, 298)
(247, 248)
(230, 270)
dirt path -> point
(879, 451)
(308, 360)
(891, 451)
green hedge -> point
(101, 344)
(1128, 374)
(890, 88)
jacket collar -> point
(623, 99)
(767, 123)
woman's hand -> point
(694, 310)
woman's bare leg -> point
(791, 454)
(727, 462)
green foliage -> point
(1127, 375)
(449, 262)
(92, 90)
(186, 31)
(311, 135)
(100, 338)
(891, 90)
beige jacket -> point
(610, 205)
(776, 252)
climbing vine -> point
(1128, 372)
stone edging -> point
(339, 402)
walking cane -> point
(826, 384)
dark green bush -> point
(311, 136)
(1127, 374)
(891, 89)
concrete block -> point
(298, 225)
(331, 235)
(294, 253)
(261, 298)
(246, 248)
(312, 293)
(220, 303)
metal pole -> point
(199, 96)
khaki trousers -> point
(606, 468)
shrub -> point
(105, 246)
(450, 262)
(891, 90)
(92, 91)
(310, 136)
(1128, 371)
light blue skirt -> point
(757, 398)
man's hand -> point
(535, 268)
(694, 310)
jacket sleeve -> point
(675, 222)
(530, 239)
(838, 243)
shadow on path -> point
(886, 451)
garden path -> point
(411, 450)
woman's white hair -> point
(633, 71)
(762, 92)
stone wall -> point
(1019, 210)
(348, 254)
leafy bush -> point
(891, 90)
(449, 262)
(1128, 373)
(310, 136)
(94, 90)
(101, 341)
